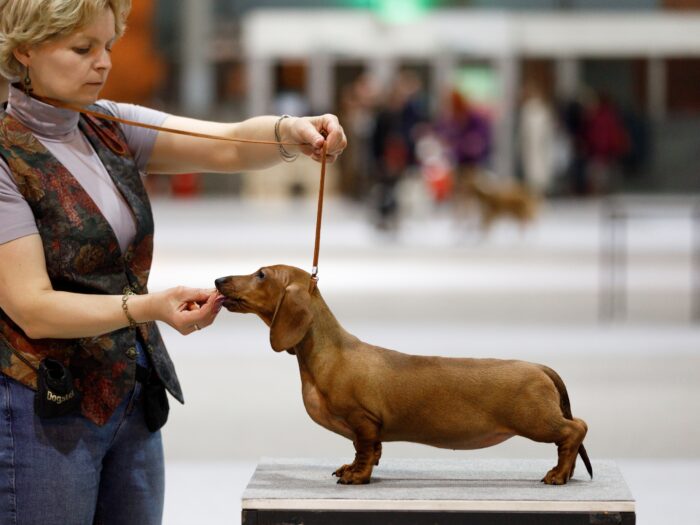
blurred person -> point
(537, 135)
(76, 240)
(436, 166)
(606, 142)
(466, 132)
(572, 118)
(636, 158)
(393, 141)
(358, 102)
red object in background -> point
(439, 180)
(395, 155)
(185, 184)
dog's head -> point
(279, 295)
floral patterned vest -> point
(83, 256)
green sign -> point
(396, 11)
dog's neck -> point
(325, 339)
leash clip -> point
(314, 279)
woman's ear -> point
(292, 318)
(21, 54)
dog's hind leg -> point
(377, 452)
(550, 425)
(568, 443)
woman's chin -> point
(91, 95)
(84, 99)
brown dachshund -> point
(370, 394)
(497, 199)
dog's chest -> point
(317, 407)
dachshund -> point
(497, 199)
(370, 394)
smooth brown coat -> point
(370, 394)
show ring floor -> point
(436, 492)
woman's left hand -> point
(311, 130)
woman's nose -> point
(104, 61)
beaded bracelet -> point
(286, 156)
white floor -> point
(436, 289)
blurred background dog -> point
(494, 200)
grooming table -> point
(435, 492)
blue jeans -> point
(68, 470)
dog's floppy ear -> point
(292, 318)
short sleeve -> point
(16, 217)
(140, 140)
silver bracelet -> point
(286, 156)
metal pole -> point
(509, 81)
(320, 84)
(621, 248)
(197, 75)
(695, 291)
(259, 80)
(606, 266)
(656, 88)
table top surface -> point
(422, 484)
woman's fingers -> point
(196, 309)
(315, 131)
(335, 136)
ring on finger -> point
(196, 326)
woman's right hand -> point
(186, 309)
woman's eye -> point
(81, 50)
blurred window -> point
(683, 76)
(623, 80)
(345, 73)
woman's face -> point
(73, 68)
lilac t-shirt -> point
(57, 129)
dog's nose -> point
(221, 281)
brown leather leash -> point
(114, 144)
(319, 215)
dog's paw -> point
(554, 477)
(353, 478)
(342, 470)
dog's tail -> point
(566, 410)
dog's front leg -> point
(367, 451)
(377, 456)
(339, 472)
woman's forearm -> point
(64, 315)
(177, 153)
(257, 156)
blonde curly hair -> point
(31, 22)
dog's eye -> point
(260, 274)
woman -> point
(75, 252)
